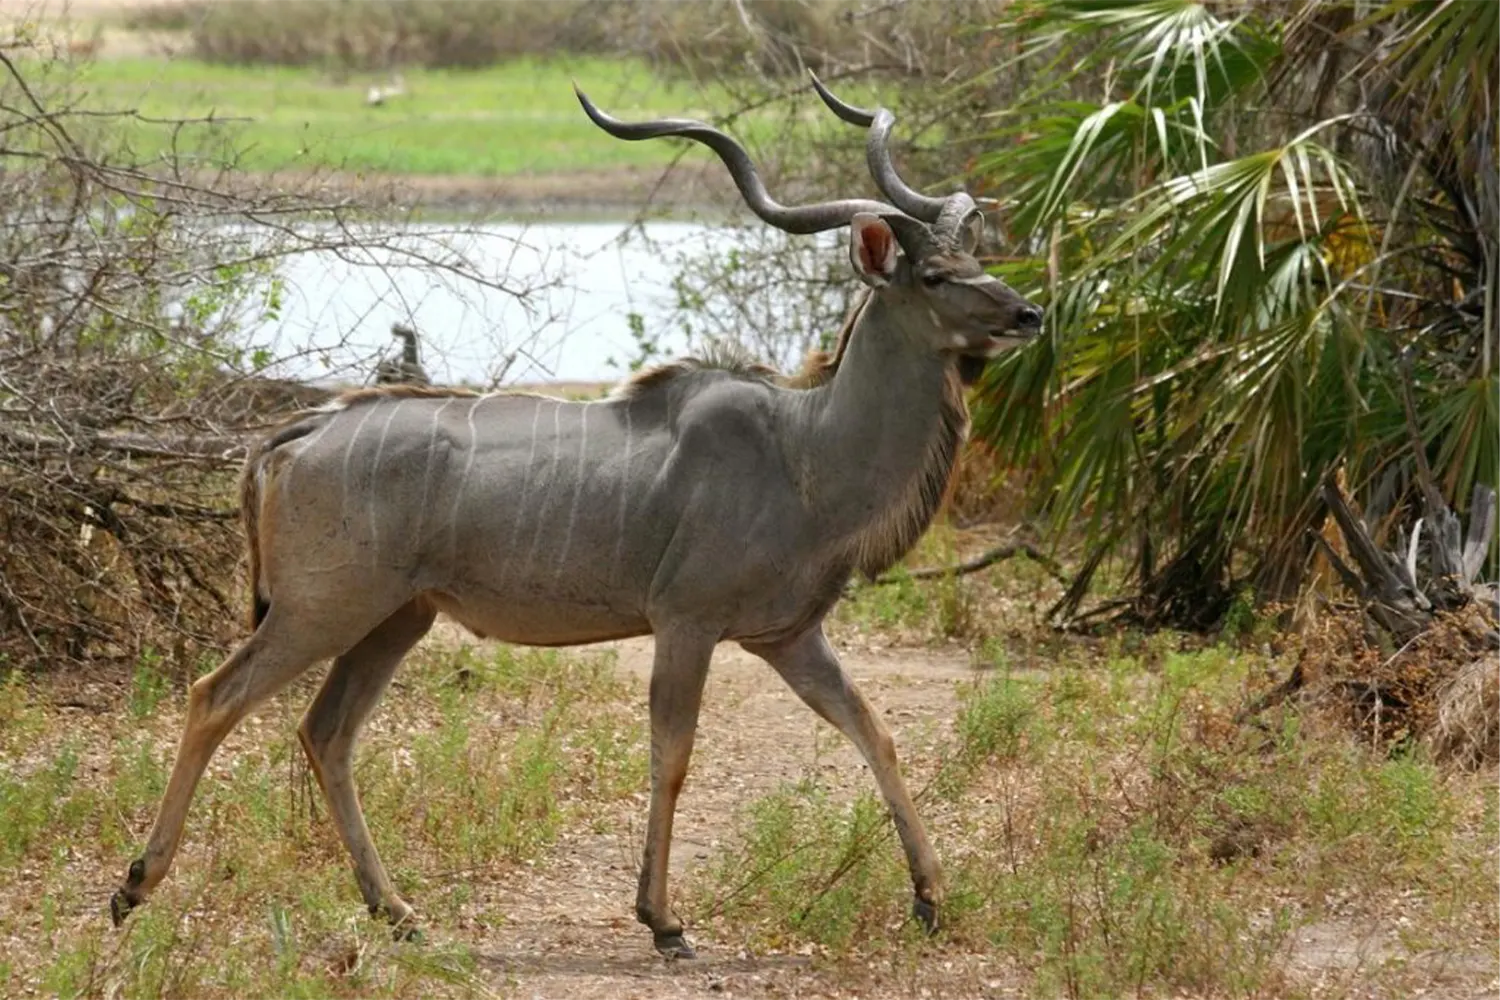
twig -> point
(220, 451)
(984, 561)
(1273, 697)
(859, 15)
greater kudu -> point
(697, 504)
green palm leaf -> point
(1223, 328)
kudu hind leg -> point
(261, 666)
(811, 668)
(349, 694)
(677, 674)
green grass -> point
(936, 610)
(802, 872)
(514, 118)
(519, 117)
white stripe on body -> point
(583, 444)
(349, 454)
(463, 481)
(624, 498)
(541, 520)
(303, 447)
(437, 419)
(520, 511)
(374, 477)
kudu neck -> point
(884, 437)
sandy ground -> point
(571, 930)
(563, 925)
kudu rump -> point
(698, 504)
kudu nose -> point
(1029, 318)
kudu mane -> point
(818, 366)
(890, 536)
(881, 545)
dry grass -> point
(473, 767)
(1107, 826)
(1441, 689)
(1467, 728)
(1109, 830)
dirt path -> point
(570, 930)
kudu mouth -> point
(1026, 325)
(1023, 331)
(1024, 328)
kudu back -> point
(702, 502)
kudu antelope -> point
(700, 503)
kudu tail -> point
(253, 478)
(250, 516)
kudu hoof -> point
(673, 946)
(409, 933)
(120, 905)
(927, 913)
(126, 898)
(404, 926)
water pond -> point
(586, 286)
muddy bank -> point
(701, 191)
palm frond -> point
(1225, 328)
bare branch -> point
(985, 561)
(131, 380)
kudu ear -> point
(872, 249)
(970, 233)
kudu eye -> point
(933, 280)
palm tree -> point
(1268, 234)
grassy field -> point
(516, 118)
(520, 117)
(1106, 826)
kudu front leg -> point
(677, 676)
(810, 666)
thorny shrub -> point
(128, 382)
(1441, 688)
(114, 477)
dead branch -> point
(1278, 694)
(1387, 583)
(210, 449)
(986, 560)
(128, 388)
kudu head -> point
(948, 304)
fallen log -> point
(214, 448)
